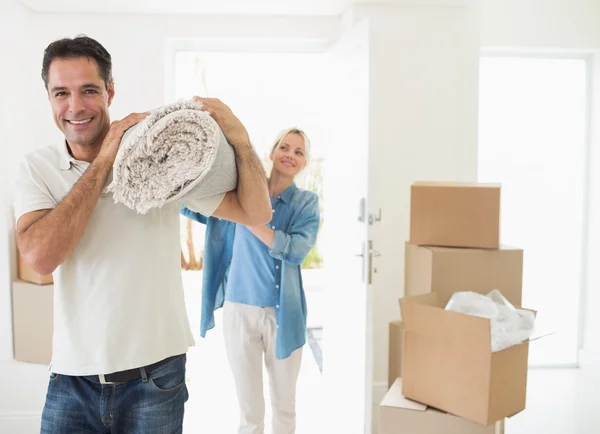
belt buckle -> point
(103, 380)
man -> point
(120, 325)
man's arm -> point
(263, 233)
(249, 203)
(45, 238)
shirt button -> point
(272, 227)
(277, 267)
(277, 306)
(277, 286)
(273, 211)
(278, 197)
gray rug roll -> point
(177, 152)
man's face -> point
(79, 100)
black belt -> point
(133, 374)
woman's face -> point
(289, 156)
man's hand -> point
(110, 145)
(47, 237)
(249, 203)
(233, 129)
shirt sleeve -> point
(293, 247)
(196, 216)
(208, 194)
(31, 192)
(205, 205)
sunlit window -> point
(532, 139)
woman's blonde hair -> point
(294, 130)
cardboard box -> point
(455, 215)
(30, 275)
(446, 270)
(448, 363)
(395, 351)
(32, 322)
(398, 415)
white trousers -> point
(250, 333)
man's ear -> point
(111, 93)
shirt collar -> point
(64, 156)
(286, 195)
(66, 161)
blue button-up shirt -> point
(251, 278)
(295, 237)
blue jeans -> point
(151, 405)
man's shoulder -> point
(41, 155)
(45, 156)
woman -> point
(254, 273)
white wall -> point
(16, 126)
(405, 50)
(545, 24)
(19, 408)
(591, 338)
(137, 44)
(560, 26)
(423, 126)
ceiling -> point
(252, 7)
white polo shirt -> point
(118, 298)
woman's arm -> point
(294, 246)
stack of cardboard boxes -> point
(442, 360)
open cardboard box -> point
(396, 336)
(399, 415)
(448, 363)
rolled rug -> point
(178, 152)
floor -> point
(559, 400)
(314, 341)
(212, 405)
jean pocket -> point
(169, 378)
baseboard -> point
(379, 391)
(20, 422)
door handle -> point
(362, 209)
(368, 266)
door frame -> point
(586, 266)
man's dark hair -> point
(80, 46)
